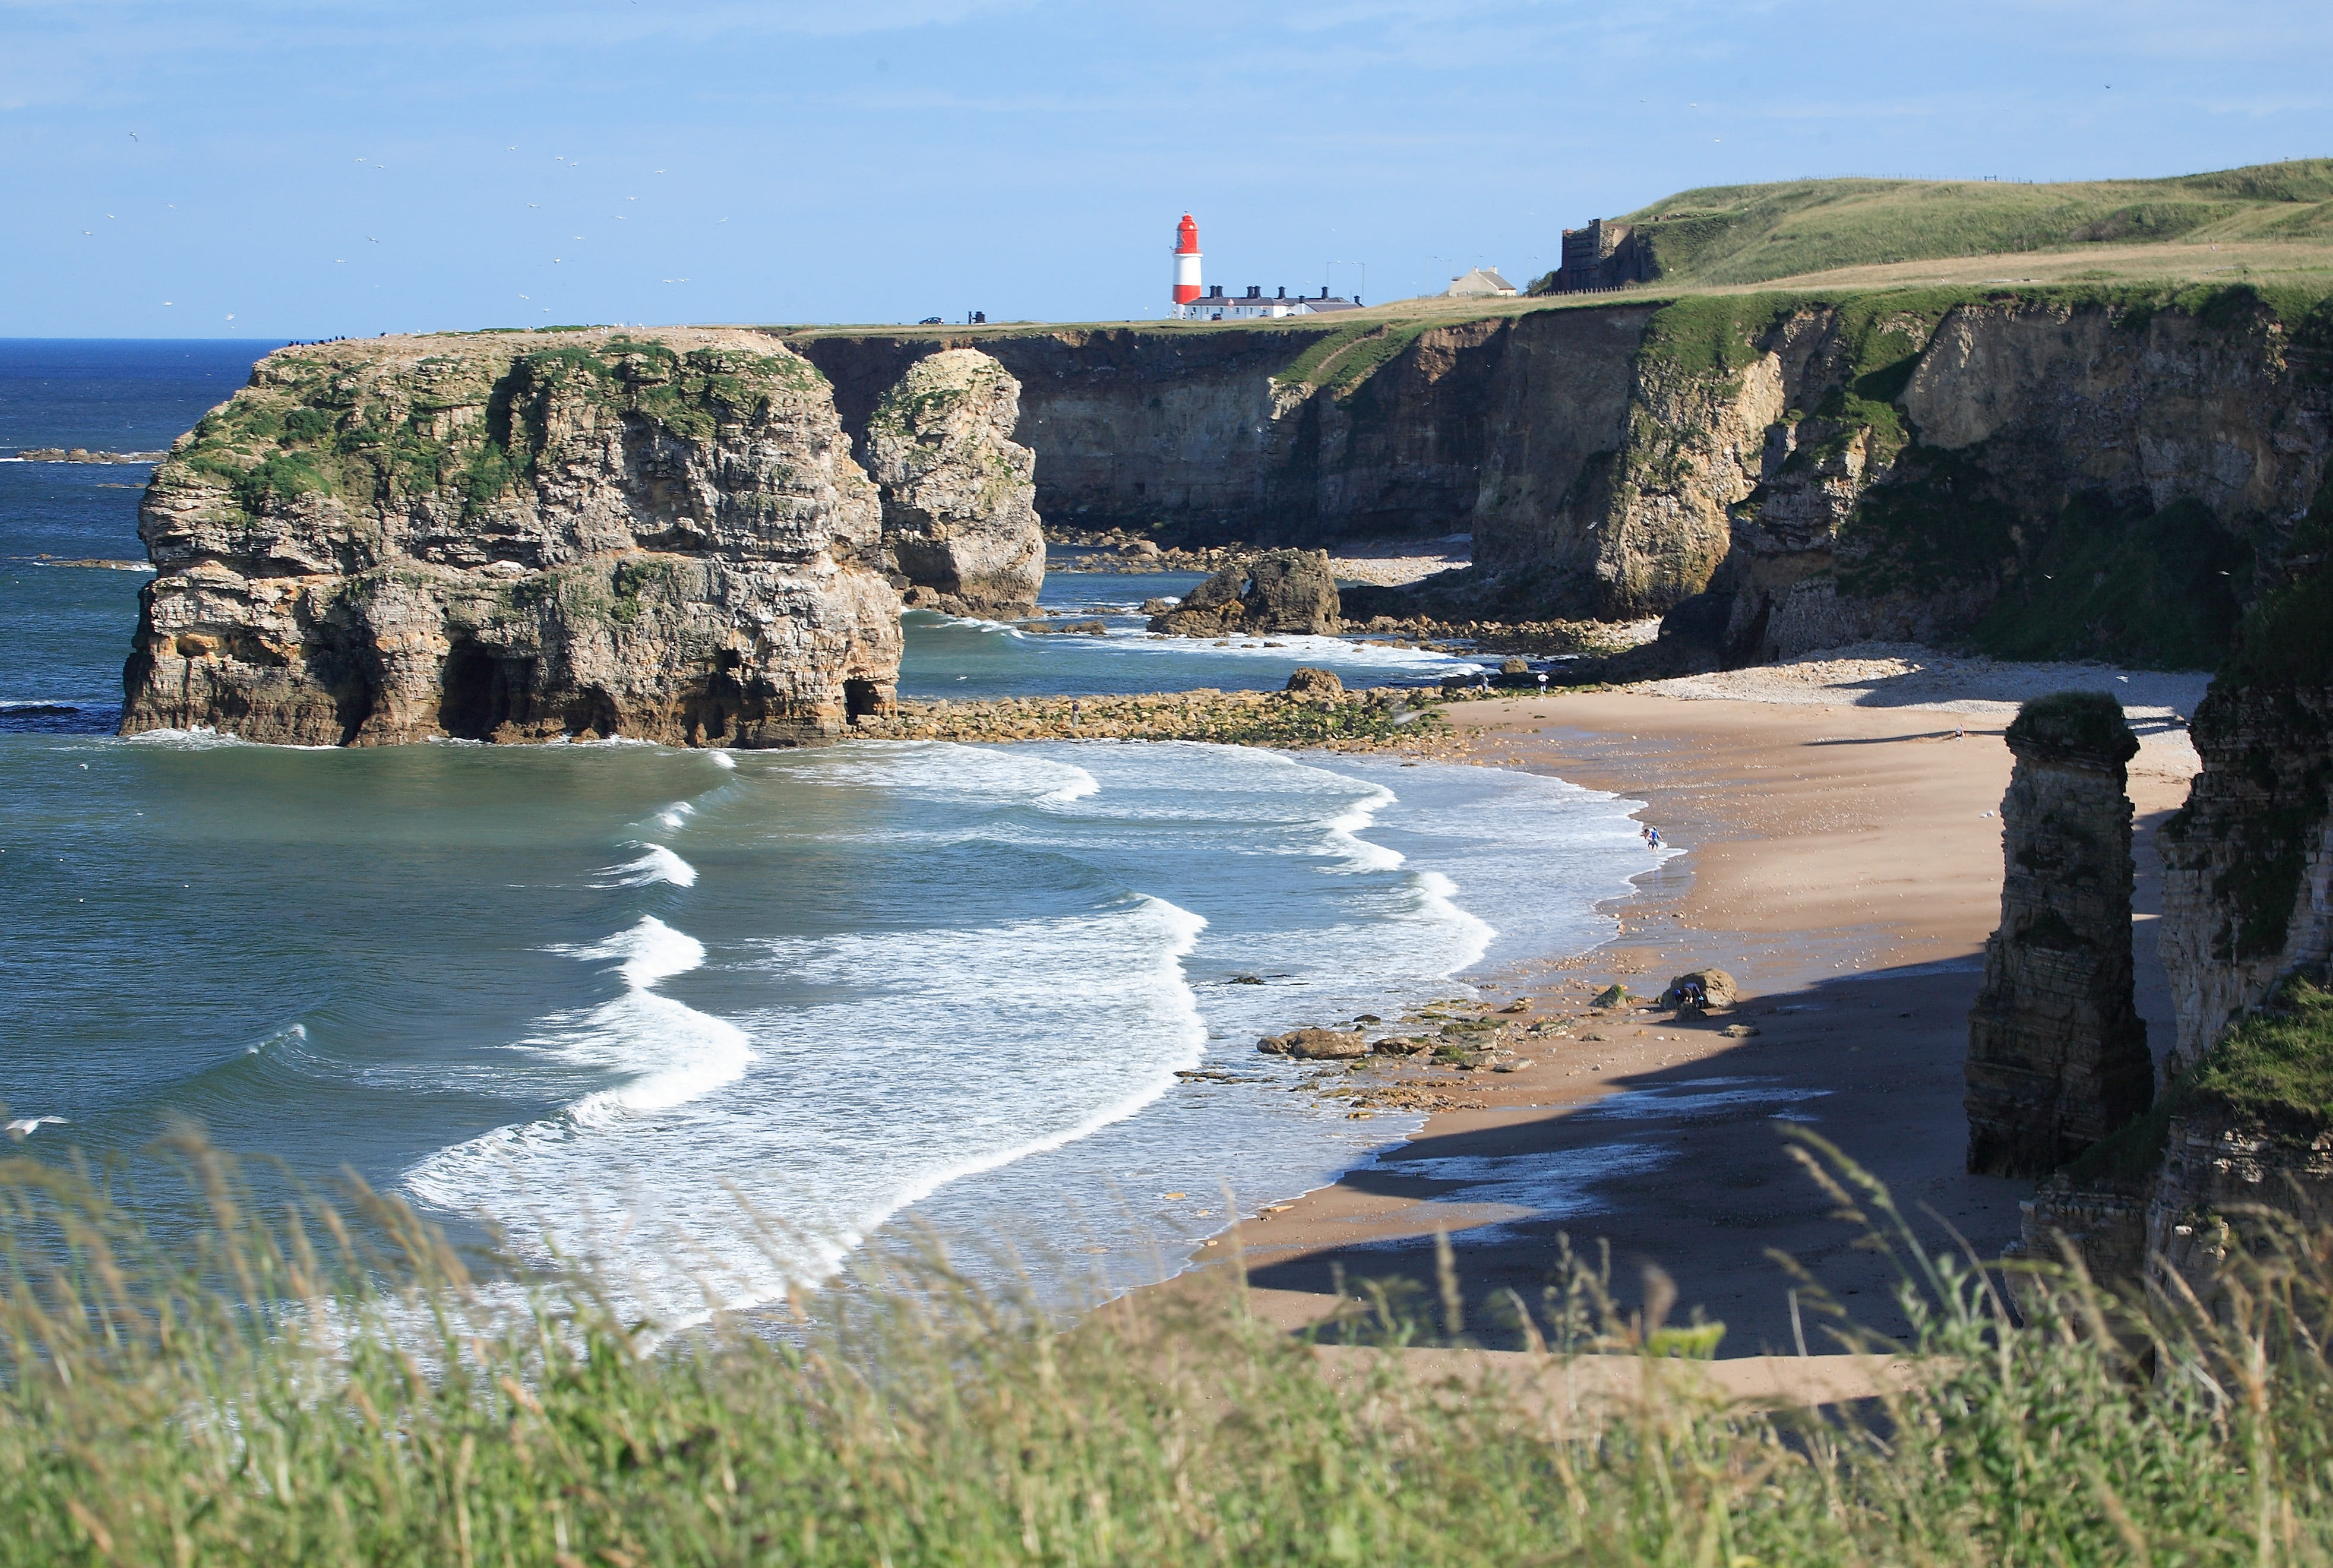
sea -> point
(722, 1024)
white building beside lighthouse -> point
(1193, 301)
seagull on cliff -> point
(24, 1127)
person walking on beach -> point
(1653, 838)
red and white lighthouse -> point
(1186, 264)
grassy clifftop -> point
(1729, 236)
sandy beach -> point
(1842, 859)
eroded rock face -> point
(2058, 1055)
(2248, 863)
(513, 537)
(2216, 1166)
(1290, 592)
(959, 496)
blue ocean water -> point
(711, 1019)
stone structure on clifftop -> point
(517, 537)
(2058, 1055)
(1288, 591)
(960, 523)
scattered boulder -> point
(1158, 607)
(959, 494)
(1399, 1045)
(1739, 1030)
(1314, 1044)
(1702, 990)
(1305, 681)
(1611, 997)
(1279, 591)
(1515, 666)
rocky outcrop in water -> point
(517, 537)
(2057, 1056)
(960, 522)
(1288, 591)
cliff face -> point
(959, 519)
(2049, 475)
(516, 536)
(1258, 434)
(2248, 862)
(2057, 1056)
(2246, 1123)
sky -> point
(320, 167)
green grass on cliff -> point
(274, 1386)
(2275, 1066)
(1719, 235)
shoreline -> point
(1842, 862)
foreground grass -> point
(201, 1403)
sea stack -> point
(1284, 592)
(2058, 1055)
(960, 524)
(517, 537)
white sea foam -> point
(294, 1033)
(1016, 1070)
(656, 864)
(665, 1054)
(1345, 827)
(671, 818)
(938, 1059)
(944, 770)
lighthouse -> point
(1186, 264)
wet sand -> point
(1844, 863)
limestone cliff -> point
(959, 513)
(2243, 1132)
(516, 536)
(2057, 1056)
(2248, 862)
(2047, 472)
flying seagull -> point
(24, 1127)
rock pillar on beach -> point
(960, 522)
(1286, 591)
(2058, 1055)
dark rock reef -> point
(1290, 592)
(517, 537)
(2058, 1054)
